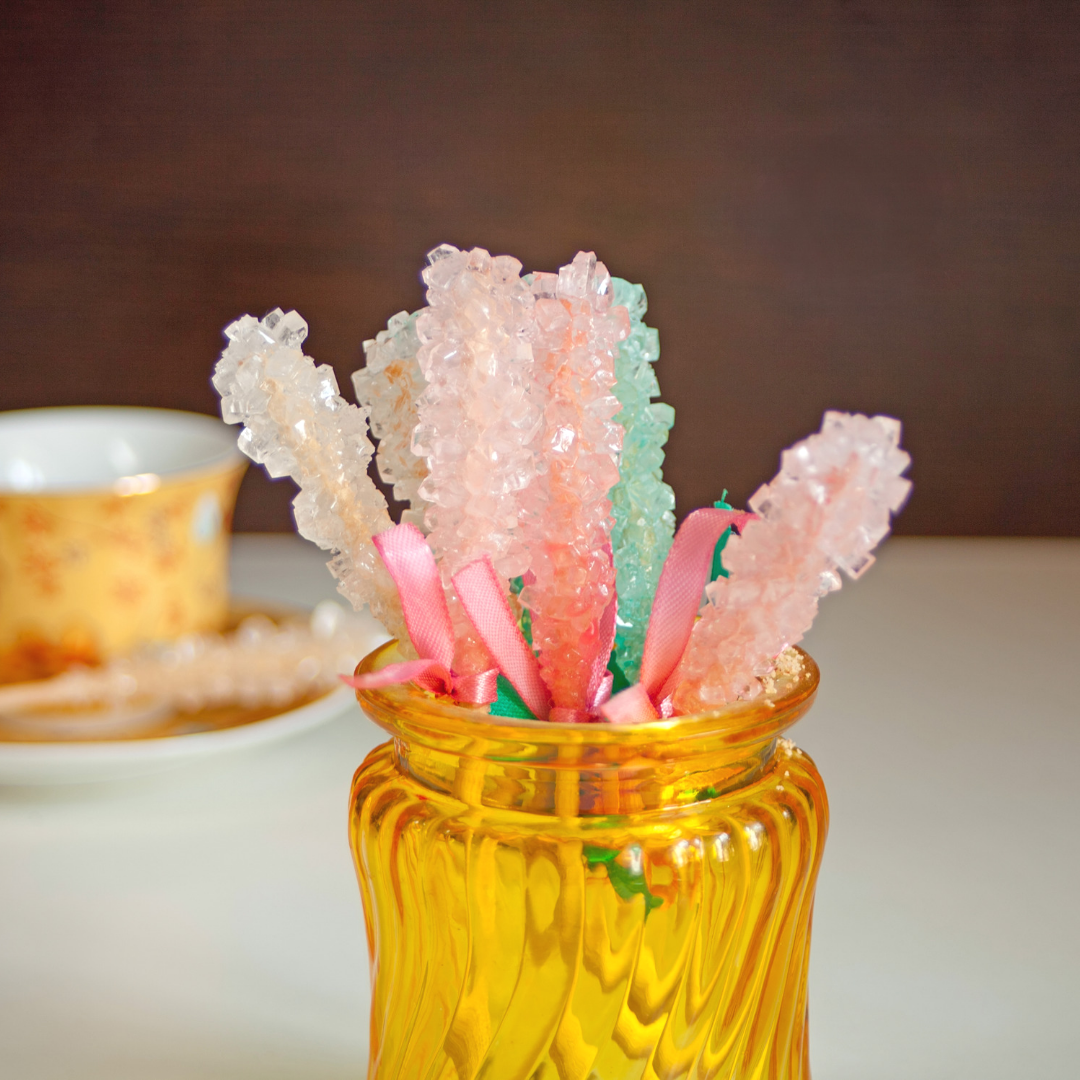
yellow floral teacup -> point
(114, 528)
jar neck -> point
(572, 784)
(581, 770)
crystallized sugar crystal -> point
(518, 418)
(643, 506)
(826, 510)
(477, 421)
(261, 663)
(296, 424)
(389, 386)
(567, 523)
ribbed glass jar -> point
(587, 902)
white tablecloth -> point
(206, 922)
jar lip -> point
(739, 723)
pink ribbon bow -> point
(412, 565)
(678, 597)
(482, 595)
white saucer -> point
(93, 762)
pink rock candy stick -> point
(567, 524)
(825, 511)
(477, 420)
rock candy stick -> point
(261, 663)
(568, 520)
(825, 511)
(477, 419)
(388, 386)
(642, 504)
(296, 424)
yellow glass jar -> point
(587, 902)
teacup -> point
(114, 526)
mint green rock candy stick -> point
(642, 504)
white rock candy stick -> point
(568, 518)
(296, 424)
(825, 511)
(477, 420)
(261, 663)
(388, 386)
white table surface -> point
(206, 922)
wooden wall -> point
(864, 206)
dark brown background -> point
(873, 207)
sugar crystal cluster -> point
(296, 424)
(825, 511)
(517, 416)
(260, 663)
(643, 506)
(476, 420)
(575, 335)
(388, 386)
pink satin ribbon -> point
(629, 706)
(483, 596)
(430, 675)
(678, 597)
(600, 674)
(412, 565)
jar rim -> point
(406, 710)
